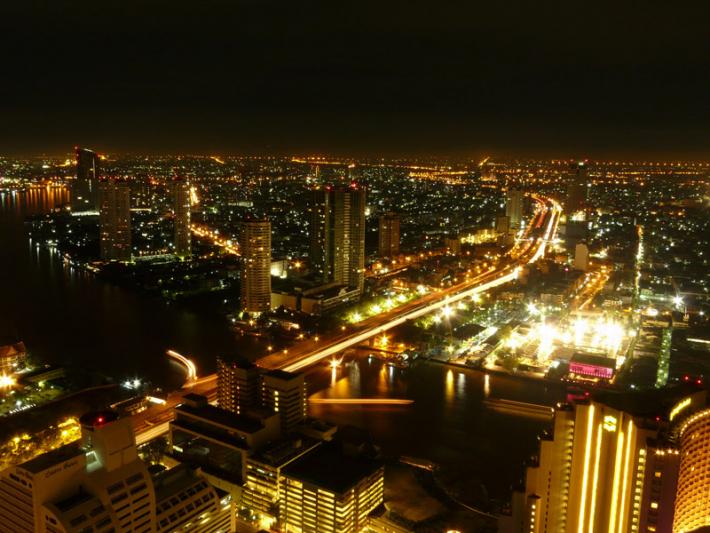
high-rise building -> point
(285, 393)
(577, 189)
(85, 189)
(255, 244)
(581, 257)
(115, 219)
(237, 384)
(590, 473)
(514, 208)
(218, 441)
(99, 482)
(182, 217)
(338, 234)
(603, 469)
(327, 490)
(692, 508)
(389, 235)
(502, 225)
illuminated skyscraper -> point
(237, 384)
(285, 393)
(389, 235)
(329, 491)
(255, 244)
(338, 234)
(692, 509)
(514, 208)
(99, 483)
(577, 189)
(590, 474)
(115, 219)
(85, 189)
(182, 218)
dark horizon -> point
(606, 81)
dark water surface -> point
(69, 317)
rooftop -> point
(283, 375)
(53, 458)
(283, 451)
(245, 423)
(329, 468)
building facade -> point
(115, 219)
(183, 235)
(389, 235)
(590, 473)
(692, 509)
(576, 200)
(514, 209)
(255, 244)
(316, 501)
(237, 385)
(285, 393)
(85, 189)
(337, 232)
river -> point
(68, 317)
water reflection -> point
(447, 423)
(449, 386)
(66, 316)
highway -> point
(529, 248)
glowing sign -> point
(610, 423)
(679, 407)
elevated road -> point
(530, 248)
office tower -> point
(590, 473)
(503, 225)
(255, 244)
(577, 189)
(514, 208)
(319, 208)
(389, 235)
(262, 492)
(285, 393)
(659, 488)
(85, 189)
(327, 490)
(581, 257)
(98, 482)
(692, 508)
(218, 441)
(115, 219)
(182, 217)
(186, 501)
(338, 235)
(237, 384)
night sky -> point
(386, 77)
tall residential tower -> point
(182, 218)
(389, 235)
(255, 244)
(338, 234)
(85, 189)
(115, 219)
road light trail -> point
(187, 363)
(360, 401)
(482, 283)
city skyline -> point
(372, 267)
